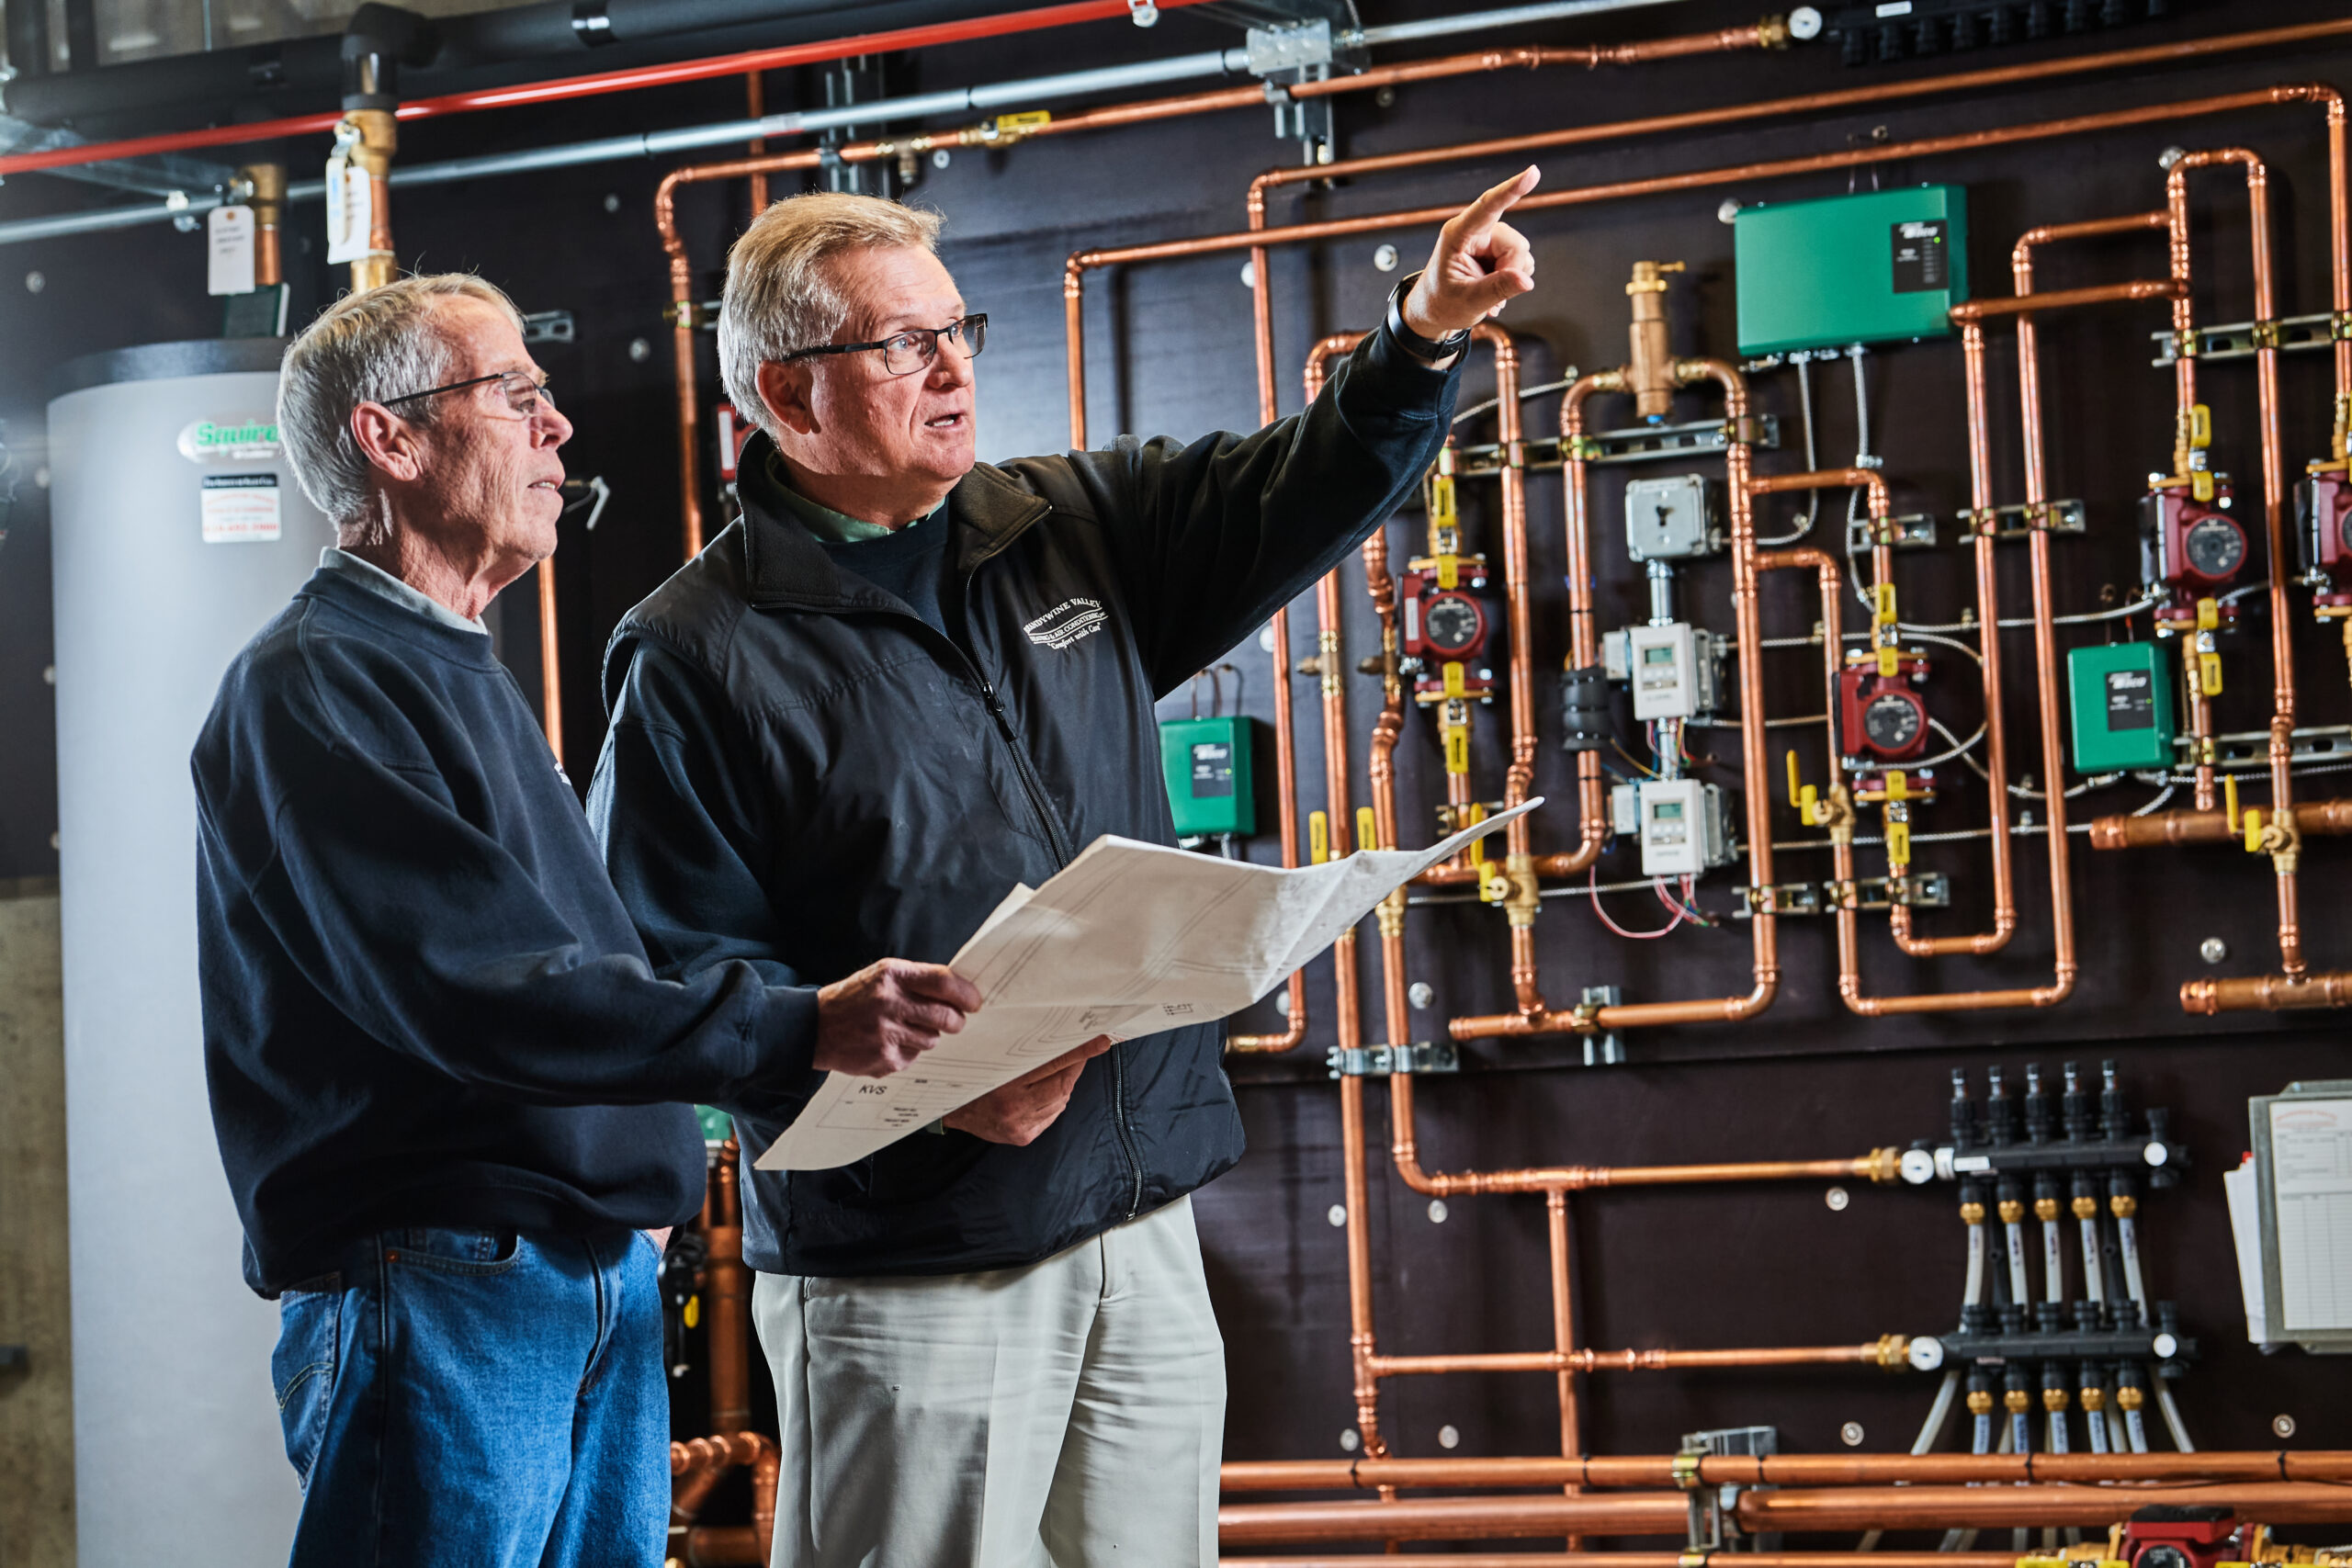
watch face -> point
(2214, 547)
(1451, 622)
(1891, 721)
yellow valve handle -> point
(1448, 570)
(2200, 483)
(692, 1314)
(1456, 681)
(1027, 120)
(1889, 662)
(1886, 603)
(2208, 673)
(1367, 829)
(2201, 427)
(1493, 885)
(2253, 825)
(1457, 747)
(2230, 800)
(1318, 837)
(2208, 614)
(1796, 785)
(1898, 843)
(1470, 816)
(1810, 808)
(1898, 786)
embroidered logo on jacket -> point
(1071, 621)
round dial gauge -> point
(2215, 547)
(1890, 720)
(1451, 622)
(2344, 530)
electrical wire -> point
(1593, 881)
(1526, 395)
(1811, 461)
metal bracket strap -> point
(1387, 1061)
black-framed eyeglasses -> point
(905, 353)
(524, 395)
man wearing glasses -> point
(903, 682)
(449, 1092)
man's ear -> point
(389, 443)
(785, 390)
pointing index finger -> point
(1481, 214)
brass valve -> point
(2094, 1397)
(1971, 1213)
(1980, 1402)
(2017, 1402)
(1887, 1165)
(2086, 1208)
(1893, 1351)
(2128, 1398)
(2053, 1400)
(2124, 1205)
(1522, 903)
(2045, 1208)
(1648, 276)
(1649, 372)
(2011, 1210)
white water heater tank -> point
(178, 530)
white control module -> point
(1672, 669)
(1681, 824)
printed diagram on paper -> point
(1129, 939)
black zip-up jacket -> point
(801, 772)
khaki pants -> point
(1063, 1414)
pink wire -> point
(1592, 881)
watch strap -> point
(1429, 351)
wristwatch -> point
(1428, 351)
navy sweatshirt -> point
(424, 1004)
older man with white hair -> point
(448, 1090)
(902, 683)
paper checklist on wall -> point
(1127, 940)
(2311, 1177)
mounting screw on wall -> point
(1420, 994)
(612, 202)
(1437, 1210)
(2282, 1426)
(1349, 1439)
(1728, 212)
(640, 351)
(1338, 1216)
(1850, 1434)
(35, 282)
(1386, 98)
(940, 158)
(2214, 950)
(1837, 1198)
(1384, 258)
(1447, 1437)
(1249, 274)
(1266, 638)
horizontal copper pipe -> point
(1946, 1508)
(2266, 993)
(1808, 102)
(1877, 1353)
(712, 1546)
(2021, 254)
(1650, 1471)
(2065, 299)
(1454, 1519)
(1639, 1559)
(1704, 179)
(2170, 827)
(1879, 1165)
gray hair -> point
(365, 348)
(781, 295)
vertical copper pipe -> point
(682, 357)
(550, 669)
(1074, 329)
(2284, 858)
(268, 202)
(2184, 378)
(728, 1288)
(2340, 255)
(755, 106)
(1564, 1328)
(1997, 745)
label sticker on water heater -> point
(239, 509)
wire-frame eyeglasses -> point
(905, 353)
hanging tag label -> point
(1886, 603)
(229, 251)
(350, 212)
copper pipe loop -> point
(1645, 1472)
(2165, 829)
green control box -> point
(2121, 699)
(1205, 762)
(1880, 267)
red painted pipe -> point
(1043, 17)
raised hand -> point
(1480, 263)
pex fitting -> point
(1893, 1351)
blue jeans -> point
(479, 1398)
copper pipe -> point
(765, 1470)
(2285, 851)
(699, 1465)
(1996, 728)
(1937, 1507)
(2065, 299)
(683, 308)
(754, 107)
(728, 1292)
(1534, 1017)
(1457, 1518)
(375, 137)
(550, 670)
(1567, 1362)
(268, 202)
(2330, 817)
(1286, 810)
(1564, 1326)
(2184, 379)
(1572, 1558)
(2339, 253)
(721, 1546)
(1878, 1166)
(1786, 1470)
(2266, 993)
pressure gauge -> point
(2215, 547)
(1452, 623)
(1892, 721)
